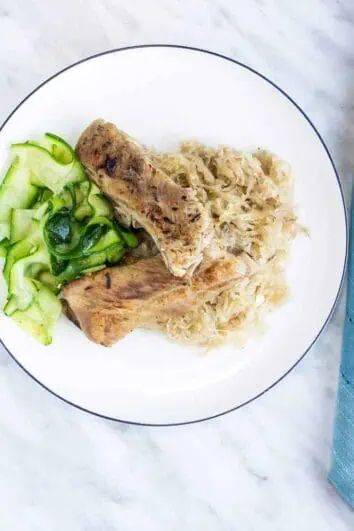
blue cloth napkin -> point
(342, 470)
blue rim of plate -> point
(221, 56)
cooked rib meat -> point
(111, 303)
(146, 196)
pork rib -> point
(111, 303)
(144, 194)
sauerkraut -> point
(249, 197)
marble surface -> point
(260, 468)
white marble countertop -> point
(260, 468)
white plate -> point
(161, 95)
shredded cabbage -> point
(249, 197)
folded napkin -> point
(342, 470)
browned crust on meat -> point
(171, 214)
(140, 295)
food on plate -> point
(56, 226)
(143, 294)
(145, 196)
(51, 164)
(193, 243)
(249, 198)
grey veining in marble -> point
(262, 468)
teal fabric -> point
(342, 470)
